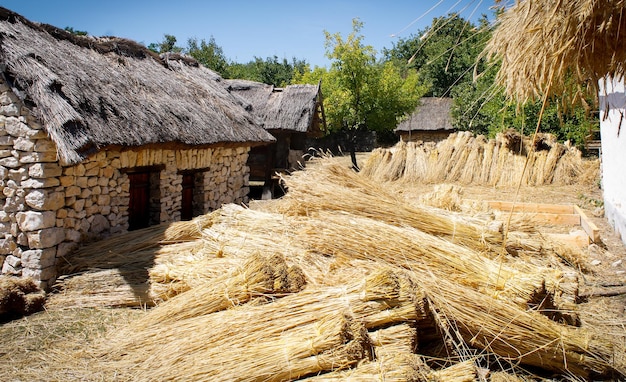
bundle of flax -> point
(466, 159)
(317, 329)
(258, 277)
(332, 187)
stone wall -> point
(49, 208)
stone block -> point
(45, 146)
(66, 249)
(9, 270)
(67, 180)
(10, 110)
(100, 224)
(72, 191)
(39, 258)
(41, 199)
(7, 245)
(23, 144)
(10, 162)
(45, 170)
(45, 238)
(36, 157)
(41, 183)
(72, 235)
(40, 274)
(35, 220)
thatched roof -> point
(95, 92)
(295, 108)
(432, 114)
(542, 42)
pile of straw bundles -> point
(466, 159)
(341, 280)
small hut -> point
(100, 136)
(430, 122)
(549, 48)
(292, 115)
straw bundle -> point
(258, 277)
(346, 236)
(518, 334)
(19, 296)
(331, 187)
(460, 372)
(283, 330)
(399, 367)
(540, 43)
(466, 159)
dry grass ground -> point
(30, 347)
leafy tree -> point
(444, 54)
(359, 92)
(167, 45)
(76, 32)
(208, 54)
(269, 71)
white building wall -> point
(613, 135)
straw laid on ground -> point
(373, 265)
(466, 159)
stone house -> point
(99, 136)
(430, 122)
(293, 115)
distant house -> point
(291, 114)
(100, 136)
(430, 122)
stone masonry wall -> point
(49, 208)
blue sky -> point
(246, 28)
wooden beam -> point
(574, 239)
(589, 227)
(554, 219)
(532, 207)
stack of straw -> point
(465, 159)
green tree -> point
(359, 92)
(208, 54)
(167, 45)
(76, 32)
(270, 71)
(444, 54)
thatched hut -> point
(549, 48)
(430, 122)
(292, 114)
(100, 136)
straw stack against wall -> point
(466, 159)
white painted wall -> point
(613, 135)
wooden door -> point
(186, 212)
(139, 204)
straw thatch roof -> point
(544, 43)
(432, 114)
(296, 108)
(90, 93)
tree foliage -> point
(168, 44)
(208, 54)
